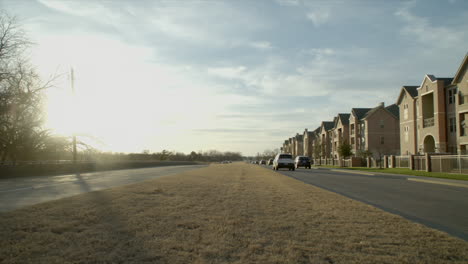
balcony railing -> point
(428, 122)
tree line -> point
(91, 155)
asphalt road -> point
(18, 192)
(437, 203)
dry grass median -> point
(233, 213)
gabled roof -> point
(343, 117)
(328, 125)
(394, 110)
(447, 81)
(309, 134)
(410, 90)
(298, 137)
(460, 70)
(359, 113)
(432, 78)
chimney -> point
(382, 104)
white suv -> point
(283, 160)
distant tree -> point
(267, 154)
(165, 154)
(345, 150)
(193, 156)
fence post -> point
(428, 163)
(411, 162)
(385, 161)
(392, 158)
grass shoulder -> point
(405, 171)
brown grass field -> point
(226, 213)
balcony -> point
(428, 122)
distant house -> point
(308, 137)
(285, 147)
(325, 138)
(375, 130)
(298, 145)
(340, 133)
(291, 145)
(356, 129)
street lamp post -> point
(72, 79)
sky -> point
(190, 75)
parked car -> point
(263, 162)
(302, 161)
(270, 162)
(283, 160)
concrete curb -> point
(452, 182)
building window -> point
(382, 140)
(451, 96)
(462, 125)
(352, 141)
(452, 126)
(381, 124)
(352, 129)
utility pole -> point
(72, 79)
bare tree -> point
(21, 94)
(13, 42)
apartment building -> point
(325, 138)
(376, 130)
(433, 114)
(308, 137)
(285, 148)
(407, 102)
(298, 145)
(316, 144)
(291, 145)
(340, 133)
(460, 84)
(435, 111)
(356, 137)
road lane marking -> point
(439, 182)
(355, 172)
(13, 190)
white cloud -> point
(227, 72)
(429, 35)
(288, 2)
(319, 16)
(262, 45)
